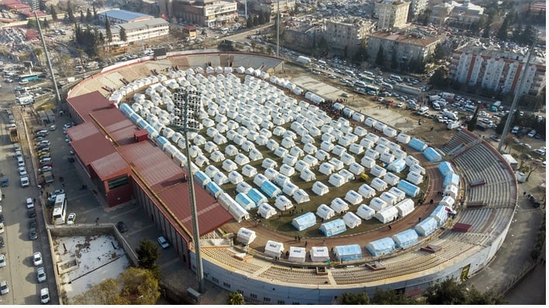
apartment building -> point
(206, 13)
(406, 44)
(391, 14)
(347, 35)
(272, 6)
(456, 14)
(417, 6)
(498, 69)
(139, 31)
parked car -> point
(37, 258)
(25, 181)
(22, 171)
(30, 203)
(121, 226)
(4, 288)
(163, 242)
(31, 213)
(3, 261)
(45, 295)
(71, 219)
(40, 274)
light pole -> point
(57, 96)
(189, 103)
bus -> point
(366, 79)
(60, 209)
(29, 77)
(371, 89)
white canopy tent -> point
(339, 205)
(245, 236)
(235, 177)
(378, 184)
(300, 196)
(283, 203)
(365, 212)
(387, 215)
(356, 168)
(249, 171)
(351, 220)
(319, 188)
(405, 207)
(325, 212)
(378, 204)
(378, 171)
(319, 254)
(353, 197)
(307, 175)
(389, 198)
(243, 187)
(297, 254)
(336, 180)
(366, 191)
(274, 249)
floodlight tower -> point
(278, 29)
(190, 103)
(57, 96)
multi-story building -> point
(456, 14)
(391, 14)
(417, 6)
(407, 45)
(139, 31)
(494, 68)
(346, 35)
(207, 13)
(272, 6)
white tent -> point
(300, 196)
(383, 140)
(366, 191)
(319, 254)
(387, 215)
(389, 198)
(371, 153)
(381, 149)
(266, 210)
(211, 171)
(297, 254)
(274, 249)
(235, 177)
(370, 122)
(220, 178)
(336, 180)
(378, 184)
(378, 204)
(387, 158)
(389, 131)
(217, 156)
(410, 161)
(229, 165)
(289, 188)
(281, 180)
(360, 131)
(320, 189)
(373, 137)
(339, 150)
(347, 175)
(201, 160)
(417, 169)
(225, 200)
(280, 152)
(245, 236)
(378, 171)
(311, 160)
(327, 146)
(309, 148)
(356, 148)
(241, 159)
(322, 155)
(339, 205)
(287, 170)
(391, 178)
(405, 207)
(351, 220)
(367, 161)
(326, 168)
(353, 197)
(270, 173)
(210, 147)
(414, 178)
(283, 203)
(231, 150)
(307, 175)
(399, 153)
(451, 190)
(255, 155)
(447, 201)
(338, 164)
(220, 139)
(248, 171)
(403, 138)
(247, 146)
(259, 179)
(238, 212)
(356, 168)
(398, 193)
(300, 165)
(289, 160)
(347, 159)
(325, 212)
(243, 187)
(268, 163)
(261, 140)
(365, 212)
(366, 143)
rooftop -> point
(412, 39)
(127, 16)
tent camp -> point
(381, 247)
(370, 122)
(398, 193)
(356, 148)
(366, 143)
(289, 188)
(417, 144)
(339, 205)
(431, 154)
(300, 196)
(351, 220)
(417, 169)
(311, 160)
(307, 175)
(336, 180)
(309, 148)
(344, 141)
(255, 155)
(238, 212)
(327, 146)
(387, 215)
(397, 165)
(326, 168)
(440, 215)
(365, 212)
(403, 138)
(213, 189)
(266, 210)
(387, 158)
(220, 139)
(378, 204)
(451, 190)
(322, 155)
(378, 171)
(389, 131)
(305, 221)
(414, 178)
(247, 146)
(269, 163)
(379, 126)
(245, 236)
(319, 254)
(287, 170)
(270, 189)
(338, 164)
(447, 201)
(427, 226)
(356, 168)
(297, 254)
(243, 187)
(300, 165)
(408, 188)
(249, 171)
(274, 249)
(202, 178)
(353, 197)
(325, 212)
(378, 184)
(391, 179)
(445, 167)
(217, 156)
(220, 178)
(210, 147)
(333, 227)
(245, 201)
(389, 198)
(360, 131)
(261, 140)
(297, 152)
(283, 203)
(347, 252)
(405, 207)
(229, 165)
(366, 191)
(319, 188)
(256, 196)
(367, 161)
(371, 153)
(280, 152)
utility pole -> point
(55, 88)
(278, 29)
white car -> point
(41, 274)
(22, 171)
(4, 288)
(30, 204)
(45, 295)
(71, 219)
(3, 260)
(25, 181)
(163, 242)
(37, 258)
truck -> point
(13, 135)
(495, 107)
(304, 60)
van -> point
(387, 85)
(515, 130)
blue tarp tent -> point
(397, 165)
(256, 196)
(162, 142)
(431, 154)
(304, 221)
(445, 168)
(426, 227)
(417, 144)
(202, 178)
(333, 227)
(245, 201)
(381, 247)
(270, 189)
(451, 179)
(440, 214)
(405, 238)
(214, 189)
(126, 109)
(347, 252)
(408, 188)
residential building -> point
(189, 31)
(494, 68)
(207, 13)
(272, 6)
(391, 14)
(407, 45)
(139, 31)
(456, 14)
(346, 35)
(417, 6)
